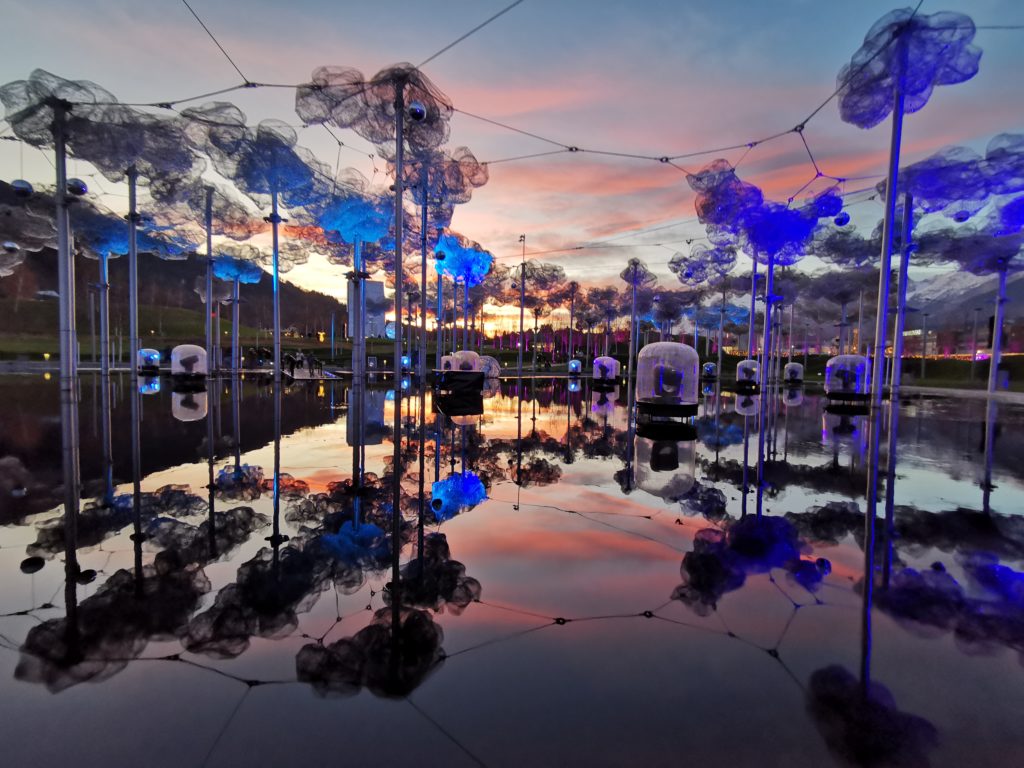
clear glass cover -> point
(667, 373)
(665, 468)
(149, 385)
(188, 360)
(792, 396)
(793, 372)
(447, 363)
(188, 406)
(148, 358)
(575, 366)
(748, 405)
(606, 368)
(748, 372)
(845, 429)
(846, 375)
(710, 370)
(604, 402)
(467, 360)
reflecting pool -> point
(325, 573)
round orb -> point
(842, 219)
(417, 112)
(77, 187)
(439, 256)
(11, 247)
(961, 216)
(21, 188)
(86, 577)
(32, 564)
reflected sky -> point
(585, 610)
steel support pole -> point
(212, 363)
(65, 259)
(133, 273)
(275, 224)
(997, 332)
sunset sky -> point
(647, 77)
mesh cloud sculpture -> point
(903, 57)
(237, 264)
(342, 97)
(466, 263)
(267, 165)
(704, 266)
(906, 53)
(26, 225)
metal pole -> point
(211, 361)
(632, 337)
(332, 335)
(572, 318)
(104, 297)
(997, 332)
(275, 222)
(753, 309)
(133, 273)
(522, 304)
(421, 366)
(465, 316)
(860, 319)
(439, 326)
(236, 353)
(765, 396)
(924, 342)
(792, 311)
(721, 328)
(65, 259)
(396, 467)
(974, 342)
(878, 360)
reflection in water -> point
(350, 566)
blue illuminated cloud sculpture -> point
(461, 259)
(908, 50)
(455, 494)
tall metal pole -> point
(275, 223)
(572, 318)
(878, 363)
(997, 332)
(753, 310)
(894, 391)
(236, 353)
(439, 329)
(522, 304)
(924, 342)
(769, 299)
(104, 297)
(211, 362)
(65, 259)
(974, 342)
(396, 467)
(332, 335)
(805, 349)
(860, 321)
(633, 339)
(133, 273)
(422, 360)
(792, 311)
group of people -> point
(301, 360)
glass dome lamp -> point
(792, 396)
(188, 360)
(448, 363)
(747, 405)
(709, 371)
(188, 406)
(603, 401)
(574, 385)
(844, 428)
(846, 378)
(606, 368)
(748, 375)
(467, 360)
(793, 374)
(664, 468)
(149, 385)
(667, 379)
(148, 360)
(575, 367)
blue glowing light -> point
(149, 385)
(461, 259)
(456, 494)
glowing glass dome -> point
(665, 468)
(748, 373)
(667, 373)
(793, 373)
(847, 376)
(606, 368)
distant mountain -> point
(168, 284)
